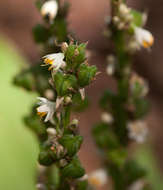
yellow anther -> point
(48, 61)
(41, 114)
(94, 181)
(147, 44)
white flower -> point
(107, 117)
(111, 60)
(135, 80)
(98, 178)
(138, 185)
(137, 131)
(124, 10)
(49, 8)
(55, 61)
(46, 108)
(110, 69)
(144, 37)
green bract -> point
(75, 55)
(71, 143)
(73, 169)
(64, 83)
(86, 74)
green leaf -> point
(82, 185)
(25, 80)
(104, 137)
(86, 74)
(71, 143)
(134, 171)
(40, 33)
(117, 157)
(107, 98)
(73, 169)
(141, 106)
(34, 123)
(59, 28)
(79, 104)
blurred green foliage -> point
(18, 147)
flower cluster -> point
(132, 22)
(70, 73)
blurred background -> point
(18, 147)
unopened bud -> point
(107, 117)
(51, 132)
(49, 94)
(75, 122)
(64, 47)
(68, 99)
(123, 9)
(116, 20)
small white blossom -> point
(138, 185)
(134, 80)
(46, 108)
(124, 10)
(107, 117)
(144, 37)
(49, 94)
(55, 61)
(137, 131)
(50, 9)
(98, 178)
(110, 69)
(51, 131)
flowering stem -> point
(124, 110)
(60, 86)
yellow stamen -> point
(95, 181)
(41, 114)
(48, 61)
(147, 44)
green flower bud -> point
(73, 169)
(86, 74)
(45, 158)
(71, 143)
(40, 33)
(64, 83)
(75, 55)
